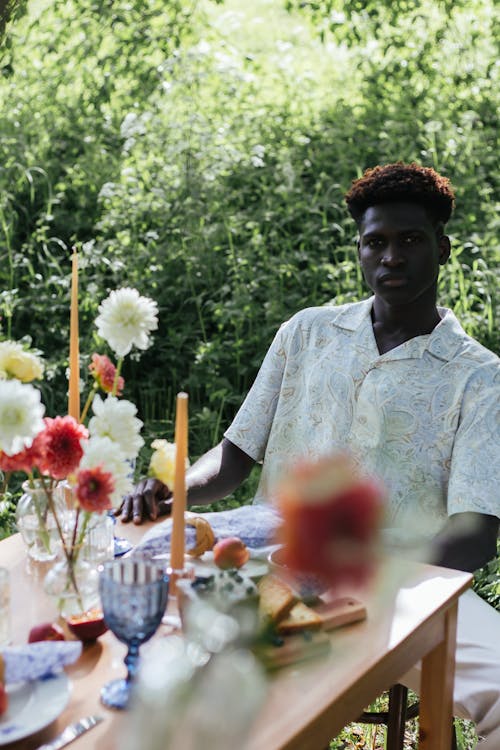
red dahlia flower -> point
(63, 448)
(104, 373)
(28, 459)
(94, 489)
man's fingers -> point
(149, 495)
(137, 508)
(150, 498)
(125, 509)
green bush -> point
(202, 156)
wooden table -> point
(306, 704)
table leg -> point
(436, 689)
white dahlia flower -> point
(115, 418)
(21, 416)
(126, 319)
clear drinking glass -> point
(134, 594)
(4, 607)
(99, 542)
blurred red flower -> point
(94, 488)
(331, 521)
(104, 373)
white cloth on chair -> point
(477, 672)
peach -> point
(88, 626)
(230, 553)
(46, 631)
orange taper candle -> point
(179, 501)
(74, 354)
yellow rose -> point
(17, 363)
(162, 464)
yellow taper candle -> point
(74, 354)
(179, 501)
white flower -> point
(126, 319)
(21, 416)
(16, 362)
(115, 418)
(101, 451)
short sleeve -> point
(474, 483)
(252, 424)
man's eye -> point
(374, 242)
(411, 238)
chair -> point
(396, 716)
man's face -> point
(400, 251)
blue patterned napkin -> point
(35, 660)
(255, 525)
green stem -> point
(77, 543)
(89, 400)
(5, 483)
(42, 519)
(10, 257)
(68, 554)
(117, 375)
(73, 537)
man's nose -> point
(393, 256)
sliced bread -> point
(276, 598)
(300, 617)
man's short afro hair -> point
(402, 183)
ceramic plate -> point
(204, 566)
(121, 546)
(32, 706)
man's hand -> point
(216, 474)
(150, 498)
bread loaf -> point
(276, 598)
(205, 538)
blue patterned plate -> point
(121, 546)
(33, 706)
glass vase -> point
(75, 586)
(36, 523)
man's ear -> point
(444, 245)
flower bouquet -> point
(75, 473)
(331, 531)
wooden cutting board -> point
(335, 611)
(339, 611)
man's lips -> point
(390, 279)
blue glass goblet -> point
(134, 594)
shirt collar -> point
(447, 337)
(352, 315)
(443, 342)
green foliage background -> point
(200, 153)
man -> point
(397, 381)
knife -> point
(72, 732)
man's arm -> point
(213, 476)
(467, 542)
(217, 473)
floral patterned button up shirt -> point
(423, 417)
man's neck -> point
(393, 325)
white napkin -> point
(255, 525)
(35, 660)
